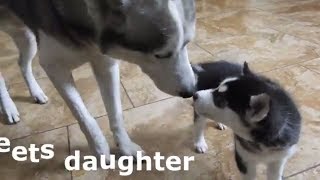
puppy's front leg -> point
(106, 71)
(199, 140)
(275, 170)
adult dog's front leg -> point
(107, 74)
(64, 83)
(7, 106)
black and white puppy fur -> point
(264, 118)
(209, 75)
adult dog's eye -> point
(164, 56)
(219, 100)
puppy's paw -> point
(130, 149)
(10, 112)
(201, 146)
(221, 126)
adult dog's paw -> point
(10, 112)
(130, 149)
(39, 97)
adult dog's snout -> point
(186, 94)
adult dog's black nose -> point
(195, 96)
(185, 94)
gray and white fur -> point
(150, 33)
(264, 118)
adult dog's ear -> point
(259, 107)
(105, 12)
(246, 70)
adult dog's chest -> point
(55, 52)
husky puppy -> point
(265, 120)
(209, 75)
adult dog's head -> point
(152, 34)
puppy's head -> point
(152, 34)
(237, 102)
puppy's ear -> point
(246, 70)
(197, 68)
(259, 107)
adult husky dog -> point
(150, 33)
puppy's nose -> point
(195, 96)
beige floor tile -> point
(313, 65)
(242, 21)
(302, 18)
(198, 55)
(89, 90)
(38, 118)
(206, 8)
(9, 62)
(139, 86)
(304, 30)
(312, 174)
(307, 10)
(7, 45)
(166, 127)
(205, 33)
(52, 169)
(264, 51)
(248, 35)
(303, 84)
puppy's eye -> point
(164, 56)
(219, 100)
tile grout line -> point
(279, 30)
(270, 70)
(231, 8)
(134, 107)
(288, 66)
(311, 69)
(275, 29)
(23, 82)
(69, 147)
(152, 103)
(302, 171)
(40, 132)
(96, 117)
(197, 44)
(125, 90)
(68, 134)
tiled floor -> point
(280, 38)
